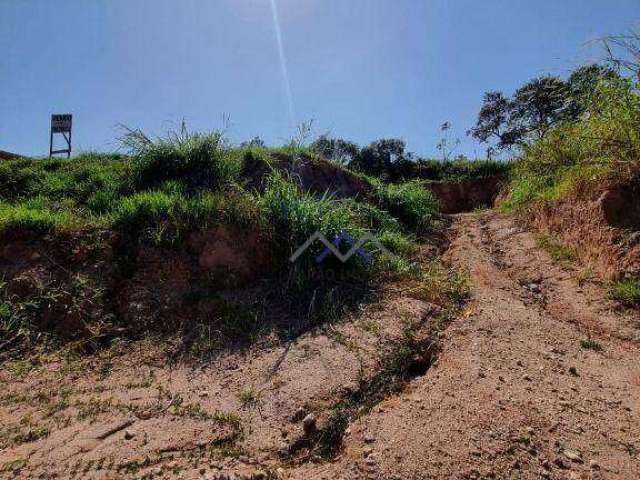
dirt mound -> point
(465, 195)
(86, 285)
(620, 206)
(315, 175)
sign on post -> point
(61, 123)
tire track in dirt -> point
(513, 394)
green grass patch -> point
(627, 292)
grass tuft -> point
(627, 292)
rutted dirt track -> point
(513, 394)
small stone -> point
(560, 463)
(573, 371)
(300, 414)
(129, 434)
(573, 455)
(309, 424)
(593, 465)
(258, 475)
(369, 439)
(203, 393)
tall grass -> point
(296, 215)
(200, 161)
(410, 202)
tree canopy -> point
(534, 108)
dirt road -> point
(514, 393)
(539, 377)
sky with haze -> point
(360, 69)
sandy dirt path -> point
(514, 393)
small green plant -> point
(249, 397)
(558, 251)
(590, 344)
(627, 292)
(21, 368)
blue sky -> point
(361, 69)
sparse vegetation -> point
(561, 253)
(401, 359)
(249, 397)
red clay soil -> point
(537, 378)
(604, 231)
(465, 195)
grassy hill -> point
(189, 234)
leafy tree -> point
(254, 142)
(380, 156)
(492, 120)
(336, 149)
(581, 84)
(535, 107)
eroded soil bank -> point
(538, 377)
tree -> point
(492, 120)
(380, 156)
(336, 149)
(581, 84)
(623, 51)
(535, 107)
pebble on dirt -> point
(309, 424)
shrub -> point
(198, 160)
(296, 215)
(459, 169)
(414, 205)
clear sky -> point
(361, 69)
